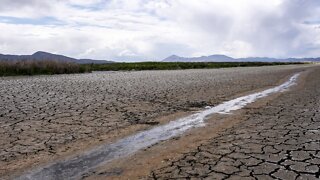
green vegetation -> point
(54, 67)
(39, 67)
(176, 65)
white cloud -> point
(154, 29)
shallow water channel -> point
(74, 167)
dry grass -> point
(178, 65)
(31, 67)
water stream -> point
(74, 167)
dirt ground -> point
(44, 118)
(203, 153)
(280, 140)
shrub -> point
(32, 67)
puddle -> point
(73, 168)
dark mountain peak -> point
(42, 56)
(224, 58)
(219, 55)
(41, 53)
(174, 56)
(211, 58)
(49, 55)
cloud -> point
(154, 29)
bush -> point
(31, 67)
(176, 65)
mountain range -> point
(224, 58)
(40, 56)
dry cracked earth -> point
(279, 141)
(42, 118)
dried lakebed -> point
(45, 118)
(279, 139)
(73, 168)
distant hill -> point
(41, 56)
(223, 58)
(217, 58)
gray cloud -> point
(16, 4)
(285, 32)
(154, 29)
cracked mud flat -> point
(48, 117)
(278, 141)
(75, 167)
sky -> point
(141, 30)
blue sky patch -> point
(32, 21)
